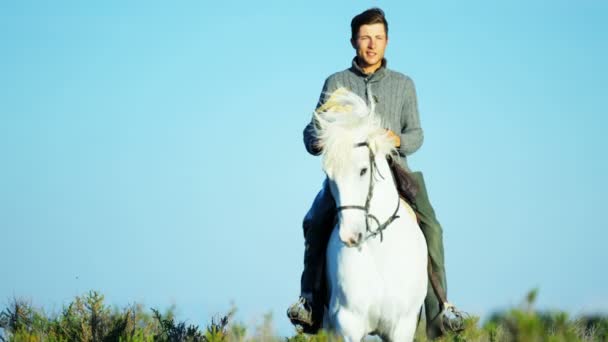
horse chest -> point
(371, 271)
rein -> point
(370, 192)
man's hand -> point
(396, 138)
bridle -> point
(368, 215)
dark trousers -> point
(318, 224)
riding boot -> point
(433, 234)
(317, 224)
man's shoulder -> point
(339, 75)
(400, 77)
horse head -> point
(354, 149)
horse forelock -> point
(347, 122)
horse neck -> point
(385, 196)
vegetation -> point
(88, 319)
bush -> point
(87, 318)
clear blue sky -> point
(153, 151)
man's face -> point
(370, 44)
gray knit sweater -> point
(391, 94)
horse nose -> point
(354, 240)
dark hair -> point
(405, 183)
(368, 17)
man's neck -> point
(368, 69)
(372, 68)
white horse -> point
(377, 255)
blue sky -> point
(153, 150)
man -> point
(392, 97)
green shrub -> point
(87, 318)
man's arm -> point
(411, 133)
(310, 138)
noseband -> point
(370, 192)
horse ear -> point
(373, 145)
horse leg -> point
(350, 325)
(405, 328)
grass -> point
(88, 318)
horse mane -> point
(343, 120)
(406, 186)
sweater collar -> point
(375, 76)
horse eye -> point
(363, 171)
